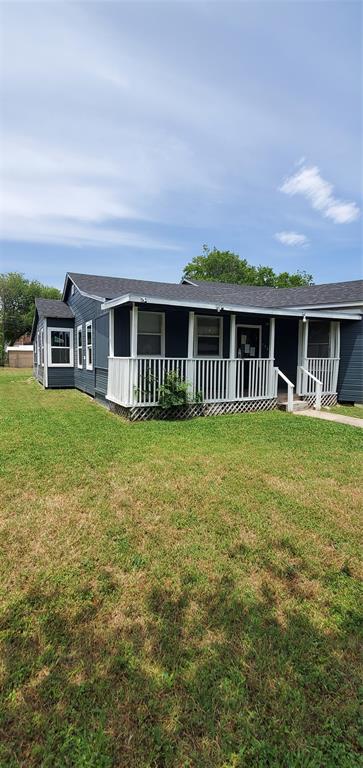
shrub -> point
(175, 392)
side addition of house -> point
(237, 346)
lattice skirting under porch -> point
(326, 400)
(144, 413)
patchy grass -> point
(347, 410)
(176, 595)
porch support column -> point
(334, 353)
(111, 336)
(271, 345)
(133, 355)
(304, 352)
(190, 361)
(271, 354)
(232, 360)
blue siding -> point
(58, 378)
(86, 309)
(350, 379)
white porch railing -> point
(290, 388)
(137, 381)
(324, 369)
(314, 385)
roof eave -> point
(129, 298)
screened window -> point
(208, 336)
(79, 347)
(150, 334)
(319, 338)
(60, 344)
(89, 346)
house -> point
(238, 346)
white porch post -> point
(271, 354)
(335, 353)
(133, 353)
(190, 361)
(271, 345)
(232, 360)
(304, 324)
(111, 320)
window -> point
(150, 334)
(89, 347)
(79, 347)
(60, 347)
(208, 336)
(319, 338)
(35, 351)
(42, 347)
(38, 348)
(72, 289)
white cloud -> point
(66, 232)
(319, 192)
(291, 238)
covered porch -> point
(225, 357)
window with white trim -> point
(60, 347)
(35, 351)
(79, 347)
(38, 348)
(208, 336)
(42, 347)
(151, 334)
(89, 346)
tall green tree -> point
(228, 267)
(17, 296)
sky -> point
(132, 133)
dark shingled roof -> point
(53, 308)
(243, 295)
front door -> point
(248, 341)
(248, 348)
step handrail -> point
(318, 387)
(290, 389)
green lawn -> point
(179, 595)
(347, 410)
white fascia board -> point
(241, 309)
(330, 306)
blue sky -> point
(131, 133)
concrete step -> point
(297, 405)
